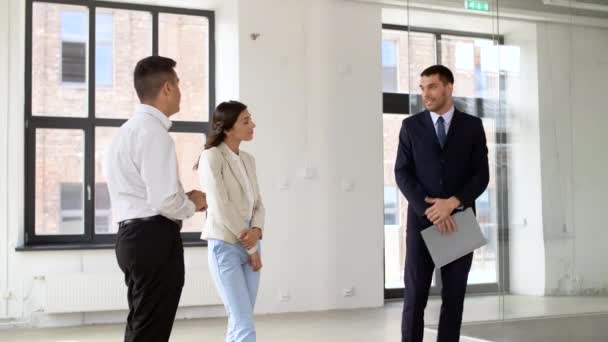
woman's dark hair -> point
(224, 118)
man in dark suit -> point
(441, 168)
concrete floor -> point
(582, 328)
(498, 308)
(377, 325)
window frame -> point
(401, 103)
(91, 240)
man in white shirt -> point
(149, 203)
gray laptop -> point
(449, 247)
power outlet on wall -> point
(284, 296)
(308, 172)
(348, 292)
(284, 184)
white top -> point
(142, 172)
(447, 119)
(245, 177)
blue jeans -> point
(237, 284)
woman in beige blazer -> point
(235, 216)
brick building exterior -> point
(60, 56)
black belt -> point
(155, 218)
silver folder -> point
(448, 247)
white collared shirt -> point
(245, 177)
(447, 120)
(142, 172)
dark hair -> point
(444, 73)
(224, 118)
(150, 74)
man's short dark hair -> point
(150, 74)
(444, 73)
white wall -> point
(312, 86)
(227, 50)
(12, 160)
(590, 53)
(526, 240)
(442, 20)
(317, 103)
(574, 67)
(4, 110)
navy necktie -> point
(441, 131)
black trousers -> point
(151, 256)
(418, 276)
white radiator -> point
(88, 292)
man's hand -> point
(448, 226)
(440, 213)
(255, 260)
(199, 199)
(250, 237)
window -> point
(389, 66)
(103, 212)
(74, 37)
(71, 219)
(467, 57)
(395, 205)
(406, 52)
(403, 63)
(73, 62)
(391, 206)
(103, 51)
(78, 94)
(74, 31)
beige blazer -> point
(227, 201)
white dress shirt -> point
(447, 120)
(245, 177)
(142, 172)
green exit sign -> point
(475, 5)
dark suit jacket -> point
(424, 169)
